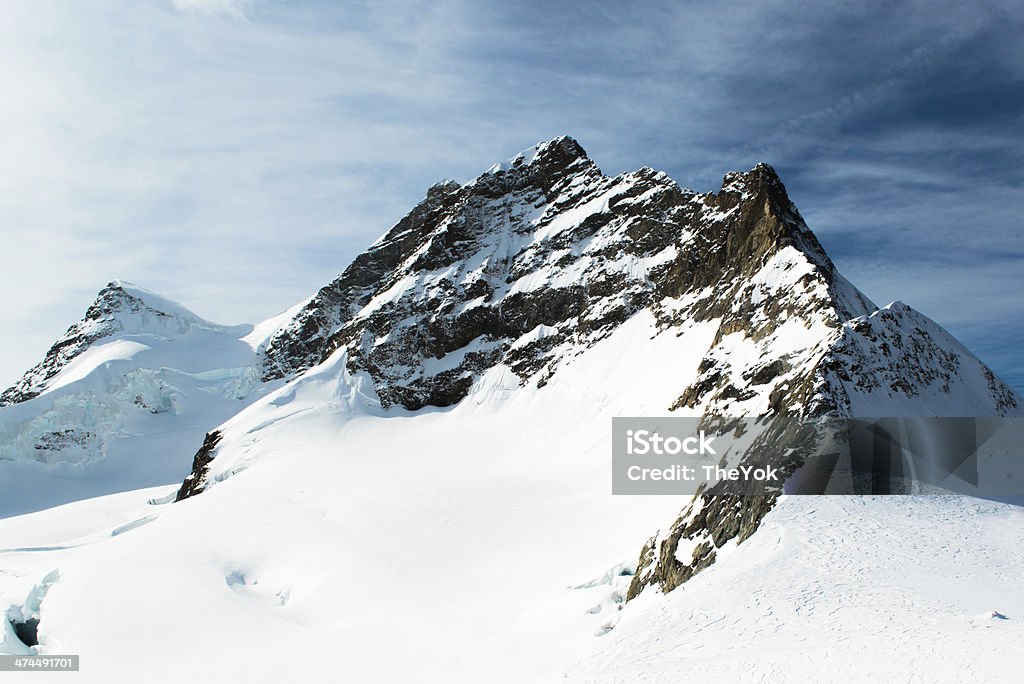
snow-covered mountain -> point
(542, 257)
(418, 454)
(119, 400)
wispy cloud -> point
(214, 8)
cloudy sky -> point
(236, 154)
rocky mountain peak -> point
(545, 241)
(763, 178)
(125, 301)
(112, 300)
(542, 166)
(550, 156)
(439, 190)
(761, 190)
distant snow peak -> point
(119, 308)
(118, 399)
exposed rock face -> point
(535, 260)
(196, 480)
(721, 513)
(56, 440)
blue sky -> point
(235, 155)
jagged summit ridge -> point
(561, 151)
(542, 241)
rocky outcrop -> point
(196, 480)
(726, 511)
(892, 362)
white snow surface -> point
(451, 536)
(481, 543)
(837, 589)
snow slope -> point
(453, 536)
(838, 589)
(479, 543)
(122, 400)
